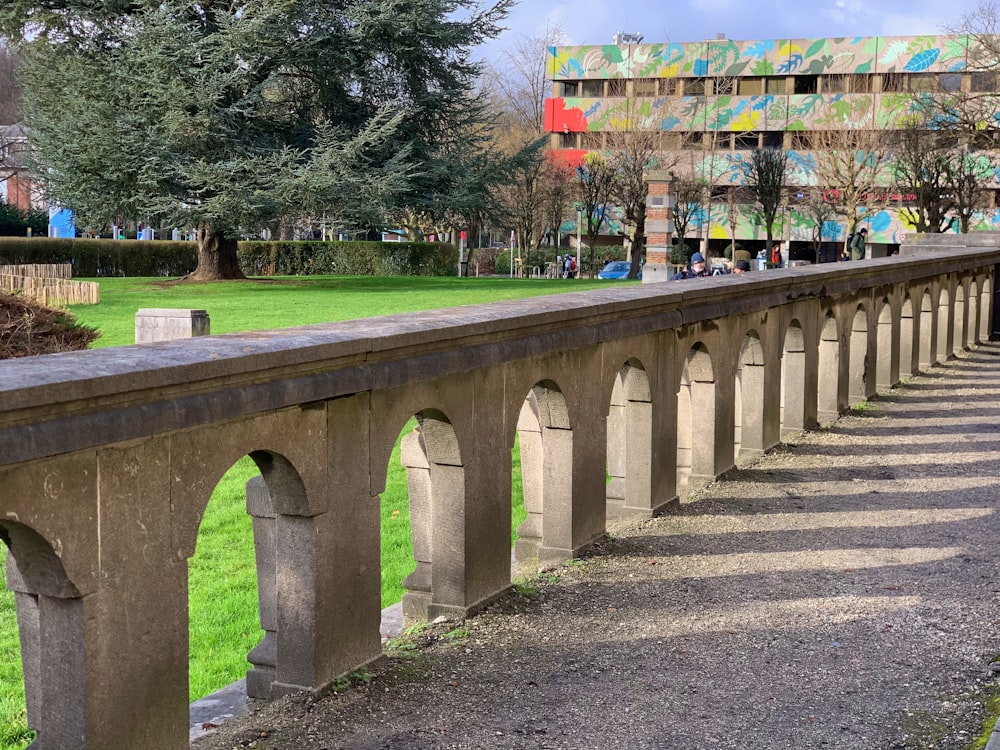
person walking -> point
(856, 247)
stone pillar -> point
(617, 451)
(264, 657)
(529, 533)
(26, 605)
(158, 324)
(417, 599)
(752, 388)
(659, 227)
(887, 362)
(557, 529)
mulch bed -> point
(28, 328)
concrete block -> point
(164, 324)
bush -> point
(680, 254)
(107, 257)
(15, 222)
(351, 258)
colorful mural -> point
(781, 64)
(769, 57)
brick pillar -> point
(659, 227)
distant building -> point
(15, 187)
(713, 102)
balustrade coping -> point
(178, 384)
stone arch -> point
(925, 350)
(748, 434)
(828, 400)
(945, 325)
(907, 331)
(696, 394)
(794, 401)
(50, 621)
(435, 478)
(887, 359)
(860, 381)
(290, 448)
(630, 442)
(545, 436)
(272, 498)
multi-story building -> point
(714, 102)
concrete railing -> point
(108, 458)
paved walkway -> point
(842, 592)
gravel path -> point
(842, 592)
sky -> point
(596, 21)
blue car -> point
(617, 269)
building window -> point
(717, 140)
(862, 83)
(923, 83)
(776, 85)
(773, 139)
(616, 87)
(751, 86)
(834, 84)
(670, 141)
(592, 87)
(646, 87)
(592, 141)
(801, 141)
(745, 141)
(567, 140)
(723, 86)
(693, 140)
(893, 82)
(983, 80)
(950, 82)
(694, 87)
(806, 84)
(668, 86)
(985, 139)
(570, 88)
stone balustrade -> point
(108, 458)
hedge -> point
(106, 257)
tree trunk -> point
(217, 257)
(638, 245)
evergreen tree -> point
(228, 114)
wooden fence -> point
(56, 290)
(40, 270)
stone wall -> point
(108, 458)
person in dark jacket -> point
(857, 245)
(694, 270)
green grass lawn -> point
(223, 595)
(294, 301)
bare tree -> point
(522, 81)
(556, 194)
(764, 172)
(537, 186)
(851, 166)
(632, 152)
(920, 158)
(595, 178)
(688, 193)
(815, 205)
(966, 175)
